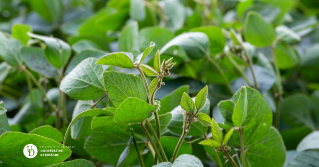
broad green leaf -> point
(143, 55)
(85, 81)
(240, 110)
(195, 44)
(118, 18)
(257, 31)
(284, 5)
(74, 163)
(311, 57)
(204, 119)
(10, 51)
(187, 103)
(49, 10)
(133, 110)
(125, 153)
(175, 13)
(187, 160)
(310, 142)
(226, 108)
(49, 132)
(294, 110)
(287, 35)
(56, 51)
(82, 56)
(84, 44)
(258, 119)
(201, 98)
(101, 121)
(19, 31)
(157, 61)
(197, 128)
(164, 120)
(272, 146)
(172, 100)
(292, 137)
(120, 86)
(268, 12)
(13, 155)
(35, 59)
(28, 113)
(4, 71)
(216, 131)
(119, 59)
(305, 159)
(148, 70)
(137, 10)
(4, 124)
(169, 144)
(76, 146)
(211, 143)
(97, 143)
(216, 38)
(128, 40)
(82, 126)
(163, 164)
(286, 56)
(243, 6)
(153, 85)
(194, 20)
(227, 136)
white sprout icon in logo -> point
(30, 151)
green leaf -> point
(133, 110)
(216, 38)
(137, 10)
(157, 61)
(125, 153)
(19, 31)
(187, 160)
(216, 131)
(227, 136)
(169, 144)
(172, 100)
(270, 145)
(120, 86)
(128, 40)
(195, 44)
(240, 110)
(287, 35)
(243, 6)
(175, 13)
(84, 44)
(143, 55)
(85, 81)
(28, 113)
(82, 126)
(10, 51)
(148, 70)
(102, 22)
(73, 163)
(4, 124)
(305, 159)
(257, 31)
(201, 98)
(204, 119)
(13, 155)
(153, 85)
(102, 121)
(163, 164)
(118, 59)
(4, 71)
(295, 111)
(187, 103)
(35, 59)
(211, 143)
(226, 108)
(164, 122)
(292, 137)
(56, 51)
(310, 142)
(286, 56)
(49, 132)
(49, 10)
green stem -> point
(195, 140)
(238, 68)
(140, 159)
(157, 140)
(231, 159)
(62, 109)
(144, 81)
(219, 162)
(152, 142)
(250, 65)
(277, 114)
(242, 147)
(97, 102)
(30, 88)
(221, 72)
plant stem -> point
(242, 148)
(221, 72)
(152, 142)
(97, 102)
(231, 159)
(30, 88)
(62, 109)
(144, 81)
(196, 140)
(250, 65)
(238, 68)
(219, 162)
(140, 159)
(157, 140)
